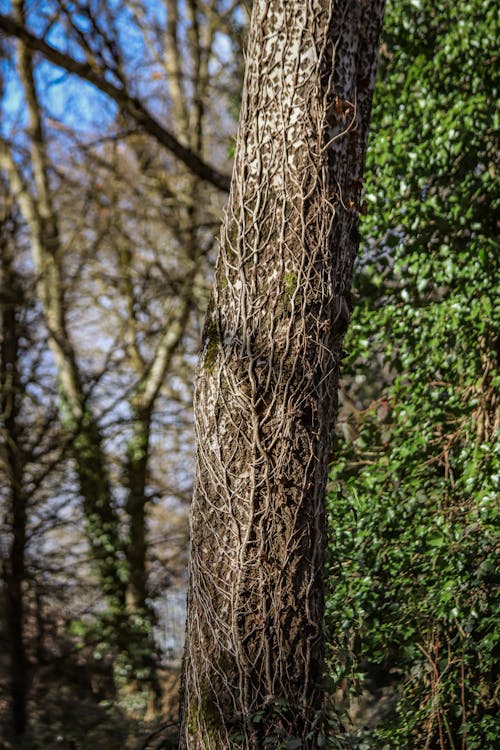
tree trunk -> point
(136, 479)
(101, 519)
(266, 388)
(13, 461)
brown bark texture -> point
(266, 389)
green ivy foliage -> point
(412, 614)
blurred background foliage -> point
(414, 485)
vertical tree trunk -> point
(136, 479)
(13, 461)
(141, 644)
(267, 380)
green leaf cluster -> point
(414, 489)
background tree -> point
(267, 380)
(121, 230)
(91, 29)
(32, 452)
(13, 460)
(414, 489)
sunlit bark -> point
(267, 381)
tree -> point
(40, 215)
(121, 231)
(12, 461)
(93, 72)
(413, 609)
(267, 379)
(31, 449)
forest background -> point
(117, 131)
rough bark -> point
(266, 389)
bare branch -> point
(128, 104)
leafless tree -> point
(121, 228)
